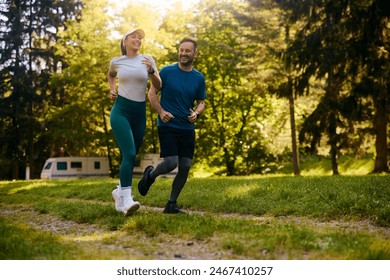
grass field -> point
(280, 217)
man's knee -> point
(171, 162)
(185, 164)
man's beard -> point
(187, 63)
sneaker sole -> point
(174, 213)
(132, 209)
(144, 191)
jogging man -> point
(181, 103)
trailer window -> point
(48, 165)
(75, 164)
(62, 165)
(97, 164)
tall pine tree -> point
(28, 31)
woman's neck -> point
(131, 53)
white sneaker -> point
(129, 205)
(118, 199)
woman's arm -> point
(156, 80)
(111, 77)
(152, 71)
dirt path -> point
(95, 240)
(120, 245)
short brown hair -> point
(192, 40)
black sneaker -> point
(145, 183)
(172, 208)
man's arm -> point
(194, 114)
(200, 106)
(152, 96)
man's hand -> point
(166, 116)
(193, 116)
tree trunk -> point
(230, 169)
(332, 93)
(15, 169)
(294, 147)
(332, 134)
(380, 127)
(30, 92)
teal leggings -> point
(128, 122)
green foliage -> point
(28, 34)
(79, 124)
(334, 44)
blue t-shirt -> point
(180, 89)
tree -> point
(28, 33)
(370, 27)
(320, 50)
(335, 36)
(287, 20)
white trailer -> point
(75, 167)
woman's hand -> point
(148, 64)
(113, 95)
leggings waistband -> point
(130, 105)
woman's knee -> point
(129, 156)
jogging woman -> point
(128, 115)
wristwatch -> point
(151, 72)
